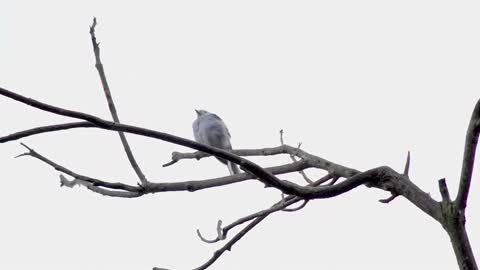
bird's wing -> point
(196, 131)
(218, 136)
(217, 118)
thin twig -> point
(103, 191)
(93, 181)
(220, 235)
(228, 246)
(389, 199)
(442, 185)
(282, 204)
(292, 157)
(334, 180)
(111, 105)
(257, 218)
(407, 165)
(301, 206)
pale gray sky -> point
(357, 82)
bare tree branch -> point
(90, 180)
(312, 160)
(220, 234)
(454, 224)
(282, 204)
(111, 104)
(471, 141)
(442, 185)
(389, 199)
(385, 178)
(382, 177)
(103, 191)
(193, 185)
(405, 173)
(228, 246)
(257, 218)
(292, 157)
(263, 175)
(407, 165)
(300, 207)
(44, 129)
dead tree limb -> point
(385, 178)
(111, 104)
(450, 214)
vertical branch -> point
(111, 104)
(471, 141)
(453, 221)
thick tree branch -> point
(111, 104)
(454, 224)
(387, 179)
(263, 175)
(471, 141)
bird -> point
(210, 129)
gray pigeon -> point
(209, 129)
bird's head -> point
(200, 112)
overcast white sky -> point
(357, 82)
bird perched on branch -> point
(209, 129)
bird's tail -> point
(233, 168)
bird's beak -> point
(198, 113)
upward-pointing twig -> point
(292, 157)
(407, 165)
(111, 104)
(471, 141)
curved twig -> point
(228, 246)
(220, 234)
